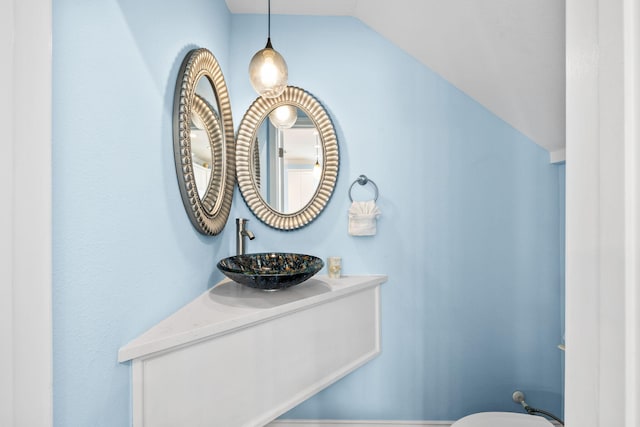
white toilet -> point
(501, 419)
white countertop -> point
(229, 306)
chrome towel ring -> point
(363, 180)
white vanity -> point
(237, 356)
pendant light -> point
(284, 117)
(268, 70)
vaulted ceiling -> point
(506, 54)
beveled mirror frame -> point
(209, 214)
(245, 146)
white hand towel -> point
(362, 218)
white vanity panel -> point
(252, 355)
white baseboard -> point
(376, 423)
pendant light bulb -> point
(284, 117)
(317, 169)
(268, 71)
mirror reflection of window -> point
(201, 155)
(290, 159)
(301, 153)
(204, 89)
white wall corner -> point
(26, 214)
(558, 156)
(6, 214)
(602, 264)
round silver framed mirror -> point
(203, 142)
(287, 159)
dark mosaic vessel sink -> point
(270, 271)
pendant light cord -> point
(269, 19)
(269, 46)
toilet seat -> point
(501, 419)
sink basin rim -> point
(270, 279)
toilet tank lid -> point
(501, 419)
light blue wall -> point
(125, 253)
(470, 234)
(469, 237)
